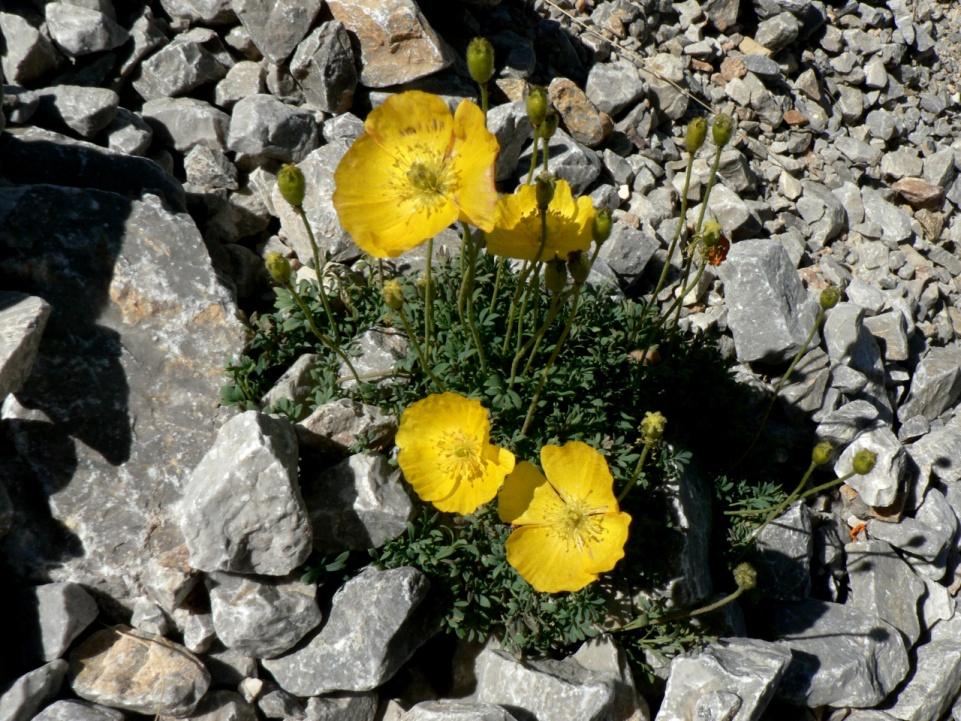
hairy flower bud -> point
(546, 129)
(652, 428)
(393, 294)
(290, 181)
(829, 297)
(279, 268)
(695, 134)
(555, 276)
(544, 189)
(722, 129)
(536, 105)
(745, 576)
(480, 60)
(864, 461)
(578, 266)
(711, 233)
(602, 225)
(822, 453)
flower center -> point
(427, 177)
(461, 455)
(578, 523)
(426, 181)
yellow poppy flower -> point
(415, 170)
(518, 230)
(569, 527)
(446, 454)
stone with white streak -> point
(325, 67)
(447, 710)
(935, 385)
(342, 423)
(879, 487)
(266, 128)
(195, 58)
(78, 30)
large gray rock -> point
(86, 111)
(822, 211)
(219, 705)
(841, 656)
(784, 549)
(342, 423)
(933, 685)
(80, 31)
(69, 710)
(61, 611)
(926, 537)
(265, 128)
(262, 619)
(244, 78)
(276, 26)
(325, 67)
(769, 311)
(342, 707)
(28, 693)
(894, 222)
(241, 509)
(375, 624)
(447, 710)
(203, 12)
(940, 453)
(883, 584)
(359, 503)
(192, 59)
(295, 385)
(509, 124)
(128, 133)
(879, 487)
(185, 123)
(133, 671)
(740, 675)
(614, 87)
(850, 343)
(22, 320)
(28, 53)
(626, 253)
(577, 164)
(935, 385)
(129, 373)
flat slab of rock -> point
(373, 628)
(220, 705)
(883, 584)
(936, 384)
(22, 320)
(61, 612)
(448, 710)
(31, 691)
(934, 683)
(69, 710)
(133, 671)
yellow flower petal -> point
(473, 156)
(579, 472)
(411, 123)
(518, 491)
(471, 493)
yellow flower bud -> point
(711, 232)
(864, 461)
(279, 268)
(393, 293)
(695, 135)
(536, 105)
(578, 266)
(290, 180)
(602, 225)
(822, 453)
(652, 428)
(480, 60)
(722, 130)
(555, 276)
(546, 129)
(544, 187)
(829, 297)
(745, 576)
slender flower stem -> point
(636, 474)
(429, 301)
(681, 614)
(797, 494)
(484, 99)
(518, 289)
(420, 351)
(466, 298)
(675, 306)
(535, 339)
(539, 336)
(465, 261)
(312, 326)
(501, 262)
(678, 230)
(530, 173)
(318, 269)
(533, 283)
(545, 152)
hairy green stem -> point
(677, 233)
(318, 269)
(530, 173)
(429, 301)
(636, 474)
(312, 326)
(534, 340)
(498, 277)
(417, 347)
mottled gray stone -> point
(342, 707)
(745, 671)
(375, 624)
(86, 111)
(134, 671)
(449, 710)
(894, 222)
(939, 451)
(577, 164)
(626, 254)
(277, 703)
(69, 710)
(509, 124)
(769, 311)
(348, 127)
(879, 487)
(763, 67)
(901, 163)
(850, 343)
(128, 133)
(884, 585)
(342, 423)
(22, 321)
(198, 632)
(209, 169)
(601, 655)
(734, 215)
(858, 151)
(28, 693)
(359, 503)
(61, 610)
(186, 122)
(375, 355)
(831, 220)
(808, 382)
(276, 27)
(295, 385)
(891, 330)
(325, 67)
(927, 536)
(881, 124)
(933, 685)
(614, 87)
(219, 705)
(28, 53)
(777, 32)
(229, 667)
(935, 385)
(841, 656)
(149, 618)
(244, 78)
(668, 67)
(129, 372)
(192, 59)
(80, 31)
(262, 619)
(785, 546)
(241, 509)
(265, 128)
(939, 167)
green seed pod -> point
(480, 60)
(745, 576)
(695, 135)
(722, 130)
(829, 297)
(290, 180)
(602, 225)
(555, 276)
(822, 453)
(393, 294)
(279, 268)
(578, 266)
(544, 189)
(864, 461)
(536, 105)
(711, 233)
(652, 428)
(546, 129)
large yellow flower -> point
(518, 230)
(568, 525)
(414, 171)
(446, 454)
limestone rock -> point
(86, 111)
(128, 133)
(69, 710)
(22, 320)
(28, 693)
(936, 384)
(220, 705)
(77, 30)
(265, 128)
(577, 164)
(934, 682)
(185, 123)
(61, 611)
(325, 67)
(193, 59)
(241, 509)
(879, 487)
(203, 12)
(340, 424)
(883, 584)
(28, 52)
(276, 27)
(133, 671)
(447, 710)
(581, 118)
(342, 707)
(509, 123)
(785, 547)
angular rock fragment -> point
(508, 122)
(785, 547)
(28, 53)
(128, 133)
(21, 700)
(342, 707)
(583, 121)
(578, 165)
(69, 710)
(880, 487)
(185, 123)
(447, 710)
(22, 320)
(78, 30)
(265, 128)
(325, 67)
(342, 423)
(204, 12)
(276, 27)
(193, 59)
(935, 385)
(219, 705)
(614, 87)
(933, 684)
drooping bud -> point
(290, 181)
(829, 297)
(652, 428)
(544, 190)
(716, 245)
(695, 135)
(546, 129)
(536, 105)
(722, 130)
(279, 268)
(602, 225)
(822, 453)
(555, 276)
(711, 232)
(864, 461)
(480, 60)
(393, 294)
(578, 266)
(745, 576)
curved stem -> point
(467, 291)
(501, 262)
(677, 232)
(636, 474)
(318, 269)
(429, 300)
(420, 351)
(539, 336)
(312, 326)
(521, 352)
(530, 173)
